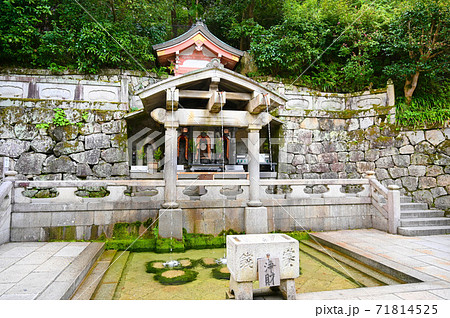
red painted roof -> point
(187, 52)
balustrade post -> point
(170, 216)
(393, 205)
(255, 213)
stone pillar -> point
(393, 205)
(170, 216)
(255, 213)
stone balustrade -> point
(5, 211)
(208, 206)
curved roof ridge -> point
(199, 26)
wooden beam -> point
(172, 98)
(258, 103)
(184, 93)
(216, 102)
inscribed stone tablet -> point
(269, 272)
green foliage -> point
(423, 112)
(141, 245)
(165, 245)
(201, 241)
(417, 45)
(60, 118)
(157, 154)
(60, 34)
(42, 126)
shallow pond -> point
(136, 283)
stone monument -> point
(245, 251)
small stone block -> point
(171, 223)
(287, 288)
(256, 220)
(241, 290)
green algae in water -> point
(136, 283)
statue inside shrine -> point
(203, 148)
(183, 145)
(225, 147)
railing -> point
(314, 188)
(216, 192)
(77, 191)
(213, 190)
(5, 210)
(386, 201)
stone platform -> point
(424, 259)
(40, 270)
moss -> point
(60, 233)
(92, 192)
(220, 273)
(94, 232)
(201, 241)
(165, 245)
(41, 193)
(56, 233)
(142, 245)
(299, 235)
(188, 276)
(70, 233)
(155, 267)
(120, 140)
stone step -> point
(439, 221)
(413, 206)
(424, 230)
(408, 214)
(110, 280)
(94, 277)
(405, 199)
(347, 266)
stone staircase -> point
(416, 219)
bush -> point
(144, 245)
(164, 245)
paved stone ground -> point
(425, 258)
(39, 270)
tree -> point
(419, 43)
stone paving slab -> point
(427, 261)
(43, 270)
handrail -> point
(218, 183)
(379, 187)
(5, 189)
(306, 182)
(89, 183)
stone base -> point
(255, 219)
(170, 223)
(287, 288)
(241, 290)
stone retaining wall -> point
(92, 148)
(333, 147)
